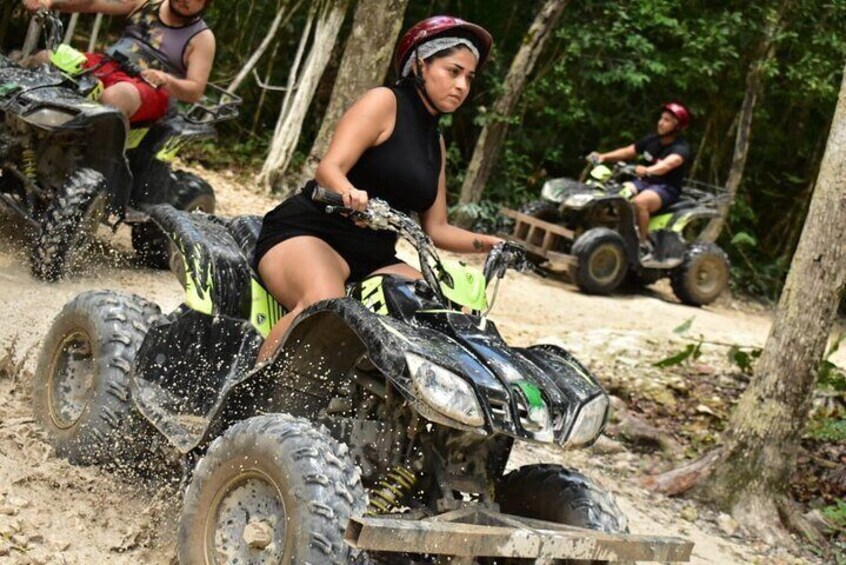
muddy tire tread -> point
(105, 433)
(679, 276)
(326, 484)
(53, 245)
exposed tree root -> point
(682, 479)
(638, 432)
(759, 516)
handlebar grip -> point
(326, 196)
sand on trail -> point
(53, 512)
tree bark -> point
(295, 106)
(5, 18)
(752, 473)
(95, 33)
(282, 17)
(754, 87)
(493, 134)
(74, 19)
(366, 59)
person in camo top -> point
(169, 43)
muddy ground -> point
(52, 512)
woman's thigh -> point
(303, 268)
(401, 269)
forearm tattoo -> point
(478, 245)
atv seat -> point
(680, 206)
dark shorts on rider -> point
(154, 101)
(668, 193)
(363, 249)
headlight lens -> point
(445, 391)
(589, 422)
(578, 200)
(551, 191)
(49, 117)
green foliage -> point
(836, 513)
(744, 238)
(829, 375)
(684, 326)
(827, 429)
(743, 357)
(691, 352)
(483, 217)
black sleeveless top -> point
(404, 169)
(149, 43)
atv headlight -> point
(578, 200)
(445, 391)
(49, 117)
(552, 191)
(589, 422)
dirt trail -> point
(52, 512)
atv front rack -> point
(478, 532)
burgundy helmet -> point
(439, 25)
(680, 112)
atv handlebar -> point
(51, 26)
(380, 216)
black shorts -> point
(668, 194)
(363, 249)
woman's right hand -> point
(355, 199)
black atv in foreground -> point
(68, 163)
(590, 228)
(394, 408)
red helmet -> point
(680, 112)
(439, 25)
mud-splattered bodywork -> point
(195, 368)
(40, 113)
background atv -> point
(68, 163)
(590, 228)
(391, 394)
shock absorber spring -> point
(30, 165)
(388, 491)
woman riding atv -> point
(659, 185)
(166, 42)
(387, 145)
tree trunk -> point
(263, 96)
(496, 127)
(752, 473)
(754, 87)
(295, 106)
(74, 19)
(33, 32)
(366, 59)
(95, 32)
(5, 18)
(282, 17)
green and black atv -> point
(402, 393)
(590, 226)
(68, 163)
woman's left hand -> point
(641, 171)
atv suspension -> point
(386, 494)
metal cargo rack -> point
(457, 537)
(541, 238)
